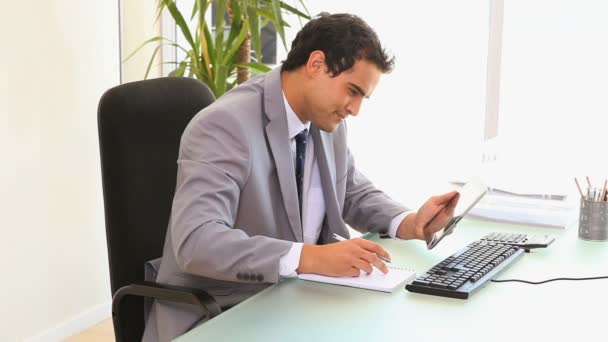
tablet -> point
(470, 194)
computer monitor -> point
(490, 135)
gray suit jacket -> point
(235, 210)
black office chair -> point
(140, 126)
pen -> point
(340, 238)
(588, 182)
(579, 187)
(593, 197)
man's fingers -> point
(445, 209)
(373, 247)
(445, 198)
(362, 265)
(454, 201)
(448, 210)
(451, 207)
(354, 272)
(372, 258)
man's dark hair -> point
(343, 38)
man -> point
(265, 178)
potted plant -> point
(218, 60)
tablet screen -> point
(470, 194)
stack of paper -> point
(516, 206)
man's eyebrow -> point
(358, 89)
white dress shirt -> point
(313, 204)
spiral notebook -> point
(377, 281)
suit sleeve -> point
(366, 208)
(213, 166)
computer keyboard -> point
(469, 269)
(520, 240)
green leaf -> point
(237, 44)
(237, 12)
(210, 45)
(194, 58)
(276, 9)
(179, 71)
(155, 39)
(181, 23)
(205, 42)
(154, 56)
(203, 6)
(195, 9)
(258, 67)
(159, 9)
(306, 9)
(195, 71)
(151, 60)
(235, 24)
(232, 84)
(219, 30)
(269, 16)
(295, 10)
(221, 80)
(254, 25)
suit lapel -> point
(278, 139)
(324, 152)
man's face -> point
(332, 99)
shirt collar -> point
(294, 125)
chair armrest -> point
(178, 294)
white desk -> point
(296, 310)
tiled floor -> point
(102, 332)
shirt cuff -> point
(392, 229)
(290, 261)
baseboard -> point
(74, 325)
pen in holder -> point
(593, 220)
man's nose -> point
(353, 107)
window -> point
(553, 86)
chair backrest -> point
(140, 126)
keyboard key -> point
(420, 282)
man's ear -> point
(316, 63)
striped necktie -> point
(300, 156)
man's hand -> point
(434, 214)
(345, 258)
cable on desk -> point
(545, 281)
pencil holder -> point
(593, 220)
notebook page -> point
(378, 281)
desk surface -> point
(296, 310)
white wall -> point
(58, 57)
(138, 24)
